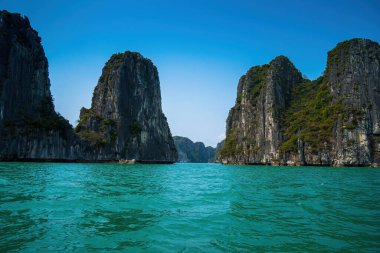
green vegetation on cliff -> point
(338, 56)
(257, 76)
(44, 119)
(106, 133)
(310, 117)
(135, 128)
(229, 147)
(313, 112)
(254, 81)
(115, 61)
(30, 125)
(93, 137)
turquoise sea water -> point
(47, 207)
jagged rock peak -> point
(117, 60)
(128, 54)
(279, 60)
(283, 63)
(22, 64)
(354, 44)
(14, 19)
(339, 57)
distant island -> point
(279, 118)
(195, 152)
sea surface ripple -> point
(57, 207)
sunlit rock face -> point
(353, 78)
(281, 118)
(125, 120)
(253, 124)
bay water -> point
(74, 207)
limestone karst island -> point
(199, 126)
(282, 118)
(125, 120)
(279, 116)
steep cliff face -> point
(218, 149)
(125, 120)
(190, 152)
(253, 132)
(353, 78)
(333, 120)
(29, 126)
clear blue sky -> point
(201, 48)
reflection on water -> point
(187, 208)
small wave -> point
(3, 181)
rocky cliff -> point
(281, 118)
(218, 149)
(190, 152)
(353, 80)
(253, 124)
(29, 126)
(125, 120)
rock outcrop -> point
(190, 152)
(125, 120)
(253, 125)
(353, 79)
(29, 126)
(218, 149)
(281, 118)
